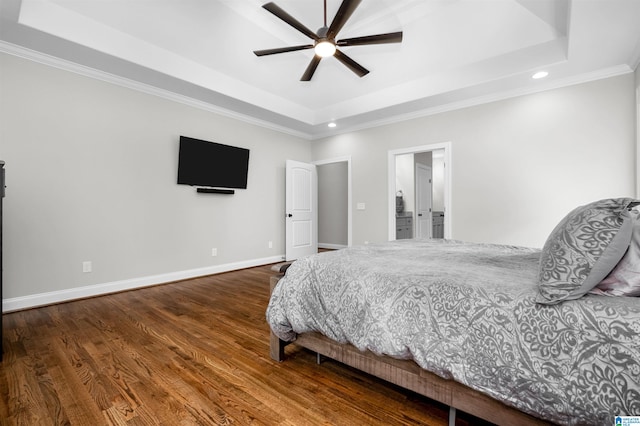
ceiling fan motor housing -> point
(322, 31)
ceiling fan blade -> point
(342, 16)
(351, 64)
(278, 12)
(311, 68)
(372, 39)
(282, 50)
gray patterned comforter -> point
(467, 312)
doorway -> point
(407, 169)
(317, 193)
(334, 203)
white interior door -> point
(424, 202)
(301, 204)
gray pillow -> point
(583, 248)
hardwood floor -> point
(193, 352)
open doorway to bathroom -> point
(419, 192)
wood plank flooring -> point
(193, 352)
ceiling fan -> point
(325, 43)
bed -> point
(510, 334)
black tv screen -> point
(203, 163)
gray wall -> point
(518, 165)
(91, 170)
(332, 205)
(91, 176)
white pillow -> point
(624, 279)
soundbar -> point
(215, 191)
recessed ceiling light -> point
(540, 74)
(332, 124)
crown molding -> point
(52, 61)
(481, 100)
(73, 67)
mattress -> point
(467, 312)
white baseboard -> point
(41, 299)
(331, 246)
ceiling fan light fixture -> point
(325, 48)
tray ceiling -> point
(454, 52)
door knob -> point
(289, 215)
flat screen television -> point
(210, 164)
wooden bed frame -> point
(406, 374)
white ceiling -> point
(454, 52)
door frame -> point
(391, 176)
(345, 159)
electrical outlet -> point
(214, 252)
(87, 266)
(270, 244)
(360, 206)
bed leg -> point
(276, 347)
(452, 416)
(319, 358)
